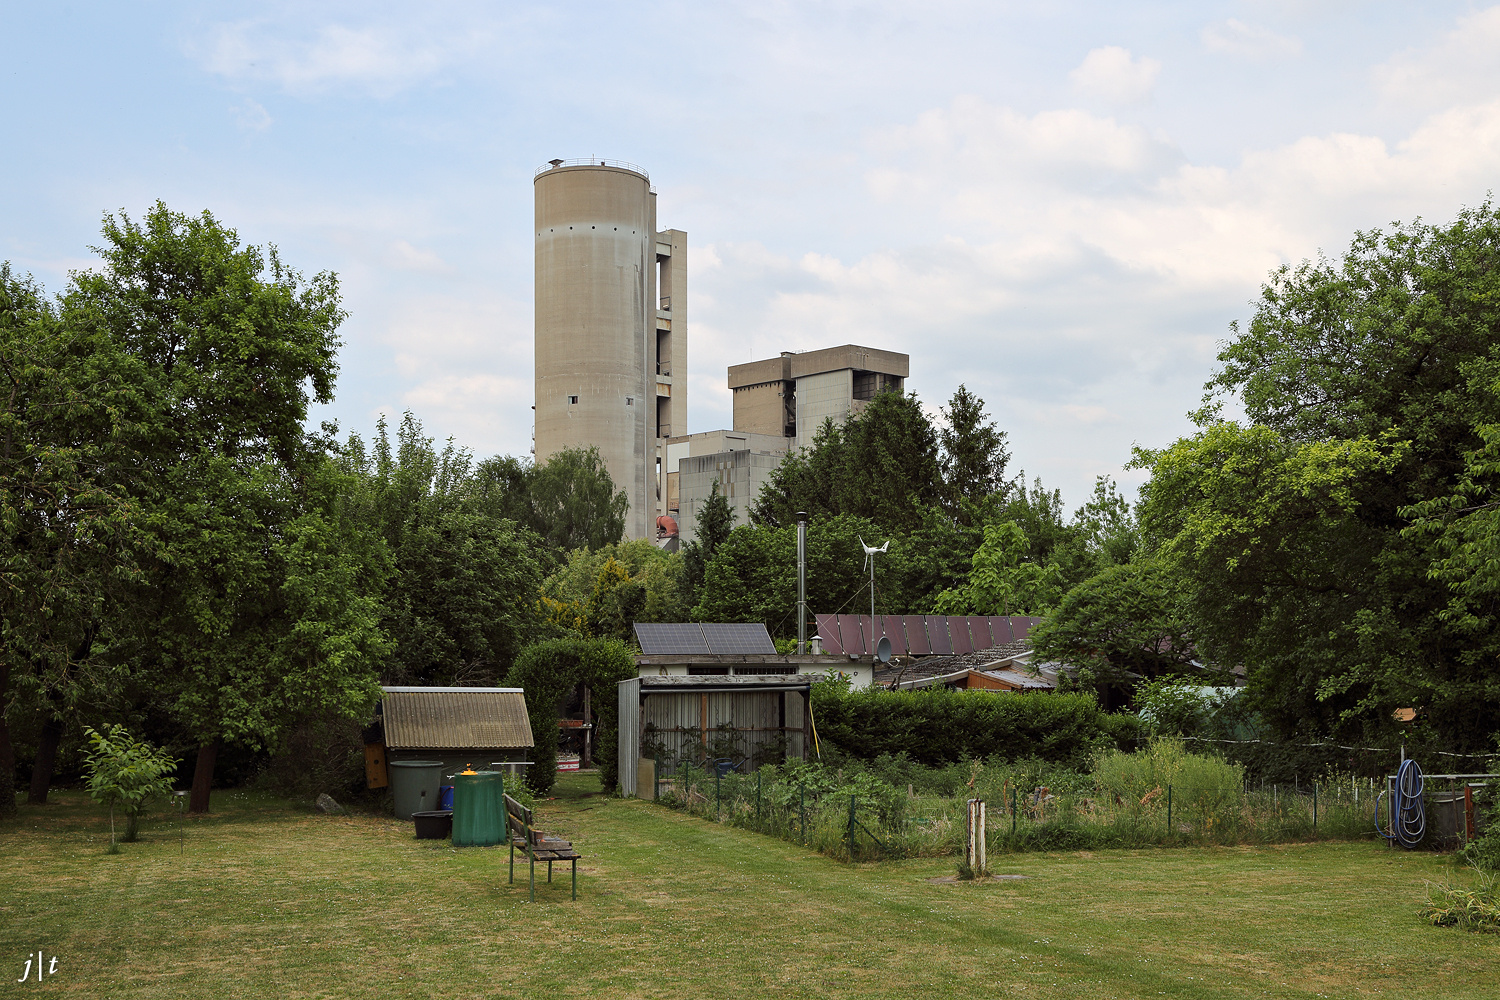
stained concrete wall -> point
(597, 313)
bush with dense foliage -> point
(938, 725)
(549, 672)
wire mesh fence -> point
(854, 815)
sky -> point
(1062, 206)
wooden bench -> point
(522, 833)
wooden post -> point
(703, 722)
(974, 847)
(588, 729)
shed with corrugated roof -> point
(458, 726)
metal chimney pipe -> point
(801, 582)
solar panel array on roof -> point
(707, 639)
(920, 635)
(738, 637)
(671, 638)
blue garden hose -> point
(1408, 819)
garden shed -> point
(457, 726)
(749, 719)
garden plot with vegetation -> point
(1162, 795)
(267, 899)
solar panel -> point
(738, 637)
(852, 633)
(671, 638)
(1025, 625)
(916, 636)
(828, 631)
(979, 629)
(1003, 630)
(958, 632)
(937, 635)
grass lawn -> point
(266, 900)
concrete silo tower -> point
(611, 307)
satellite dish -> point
(883, 650)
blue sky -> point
(1061, 205)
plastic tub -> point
(445, 797)
(433, 824)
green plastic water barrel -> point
(414, 785)
(478, 809)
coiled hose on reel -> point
(1408, 817)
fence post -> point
(851, 827)
(1169, 810)
(718, 794)
(1013, 793)
(1315, 806)
(757, 798)
(802, 814)
(656, 780)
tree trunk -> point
(203, 776)
(7, 752)
(46, 760)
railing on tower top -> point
(594, 161)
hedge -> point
(940, 726)
(549, 671)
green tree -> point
(462, 601)
(574, 502)
(714, 525)
(891, 470)
(69, 399)
(1368, 383)
(611, 588)
(806, 481)
(1002, 580)
(974, 455)
(253, 597)
(882, 466)
(127, 773)
(1127, 619)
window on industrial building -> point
(572, 400)
(868, 384)
(629, 400)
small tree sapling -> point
(128, 773)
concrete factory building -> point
(611, 316)
(611, 359)
(779, 404)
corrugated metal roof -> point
(482, 718)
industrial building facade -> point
(611, 357)
(779, 404)
(611, 318)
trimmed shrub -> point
(548, 672)
(939, 726)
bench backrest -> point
(519, 816)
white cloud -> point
(1252, 41)
(251, 116)
(1112, 74)
(1077, 272)
(1462, 67)
(381, 58)
(403, 256)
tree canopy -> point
(1335, 544)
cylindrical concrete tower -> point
(596, 307)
